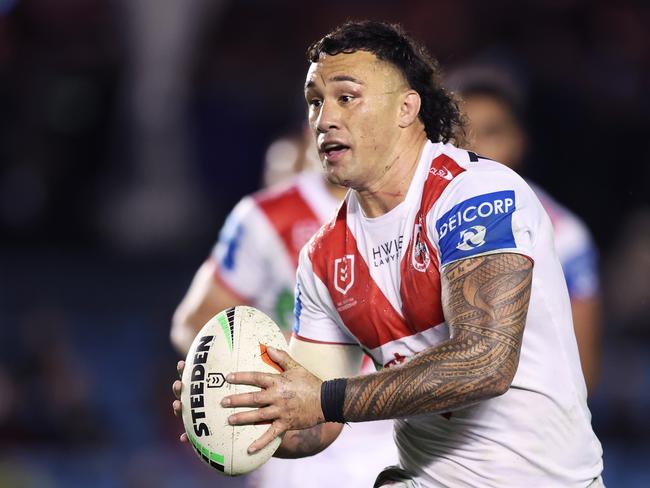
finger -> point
(180, 366)
(177, 386)
(183, 437)
(252, 399)
(276, 429)
(177, 407)
(263, 380)
(282, 358)
(257, 416)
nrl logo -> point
(215, 380)
(344, 273)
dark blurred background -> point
(128, 130)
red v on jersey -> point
(291, 216)
(363, 306)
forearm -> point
(587, 326)
(307, 442)
(325, 361)
(454, 375)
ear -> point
(409, 108)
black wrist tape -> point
(332, 396)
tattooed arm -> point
(485, 301)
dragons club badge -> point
(420, 258)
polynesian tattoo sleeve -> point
(485, 301)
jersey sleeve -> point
(240, 263)
(580, 266)
(316, 319)
(485, 211)
(575, 247)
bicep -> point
(485, 301)
(486, 298)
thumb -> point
(282, 358)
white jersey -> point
(257, 252)
(376, 282)
(256, 258)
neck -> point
(336, 191)
(391, 187)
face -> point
(354, 105)
(493, 131)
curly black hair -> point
(439, 110)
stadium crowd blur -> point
(129, 128)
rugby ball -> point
(233, 340)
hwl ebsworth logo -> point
(344, 273)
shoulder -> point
(452, 168)
(260, 213)
(287, 210)
(272, 200)
(279, 196)
(482, 176)
(242, 215)
(485, 208)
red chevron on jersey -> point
(293, 219)
(363, 307)
(419, 271)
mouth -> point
(333, 151)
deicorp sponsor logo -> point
(479, 224)
(472, 238)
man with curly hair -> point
(428, 268)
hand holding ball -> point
(234, 340)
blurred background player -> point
(495, 105)
(254, 262)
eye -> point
(345, 98)
(315, 102)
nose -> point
(328, 117)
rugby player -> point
(254, 262)
(470, 317)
